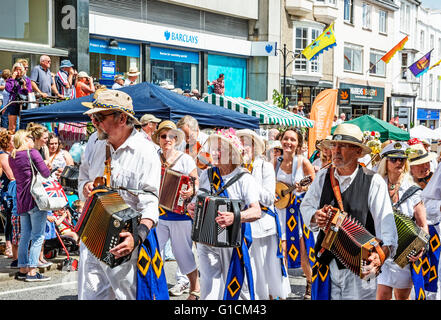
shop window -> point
(353, 58)
(180, 75)
(377, 66)
(122, 66)
(25, 20)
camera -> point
(21, 81)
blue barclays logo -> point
(269, 48)
(181, 37)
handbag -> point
(48, 193)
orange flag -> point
(386, 58)
(322, 112)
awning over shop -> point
(266, 113)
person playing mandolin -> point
(291, 169)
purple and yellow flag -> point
(421, 66)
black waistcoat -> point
(355, 203)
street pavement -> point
(63, 284)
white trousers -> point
(346, 285)
(179, 233)
(97, 281)
(267, 272)
(213, 266)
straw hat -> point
(348, 133)
(111, 100)
(259, 144)
(320, 144)
(419, 155)
(148, 118)
(167, 124)
(83, 74)
(395, 150)
(133, 71)
(229, 136)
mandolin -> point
(283, 191)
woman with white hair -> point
(269, 272)
(394, 168)
(223, 271)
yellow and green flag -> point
(323, 42)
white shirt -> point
(264, 174)
(185, 164)
(378, 202)
(431, 196)
(135, 165)
(116, 86)
(244, 189)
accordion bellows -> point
(348, 240)
(411, 238)
(104, 216)
(206, 230)
(69, 178)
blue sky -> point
(432, 4)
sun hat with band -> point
(348, 133)
(396, 150)
(229, 136)
(170, 125)
(114, 100)
(419, 155)
(259, 143)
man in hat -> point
(132, 77)
(365, 198)
(148, 124)
(133, 168)
(65, 79)
(118, 82)
(420, 160)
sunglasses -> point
(170, 136)
(393, 160)
(99, 117)
(334, 145)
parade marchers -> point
(273, 237)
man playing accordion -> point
(364, 197)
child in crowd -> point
(64, 224)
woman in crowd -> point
(291, 168)
(58, 157)
(175, 226)
(84, 85)
(325, 156)
(18, 86)
(7, 193)
(217, 278)
(32, 220)
(394, 168)
(40, 134)
(269, 272)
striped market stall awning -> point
(268, 114)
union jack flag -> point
(54, 189)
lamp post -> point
(285, 53)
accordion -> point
(172, 183)
(349, 241)
(104, 216)
(206, 230)
(411, 238)
(69, 178)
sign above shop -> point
(123, 48)
(344, 96)
(427, 114)
(167, 54)
(360, 93)
(139, 31)
(263, 48)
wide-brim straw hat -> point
(348, 133)
(133, 72)
(170, 125)
(259, 143)
(419, 155)
(229, 136)
(111, 100)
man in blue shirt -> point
(41, 78)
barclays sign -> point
(181, 37)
